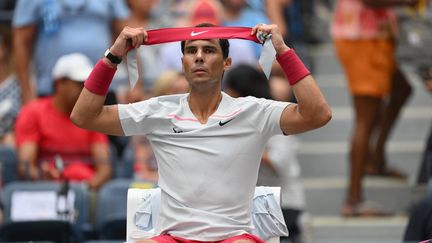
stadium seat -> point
(104, 241)
(30, 231)
(111, 209)
(80, 192)
(8, 165)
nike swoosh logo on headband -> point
(193, 33)
(159, 36)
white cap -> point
(75, 66)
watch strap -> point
(112, 58)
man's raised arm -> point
(312, 110)
(89, 111)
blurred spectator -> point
(237, 13)
(426, 74)
(280, 89)
(425, 169)
(204, 11)
(10, 97)
(170, 82)
(44, 132)
(288, 16)
(6, 10)
(279, 163)
(145, 165)
(44, 30)
(142, 15)
(364, 32)
(419, 225)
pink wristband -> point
(292, 66)
(100, 78)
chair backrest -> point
(80, 192)
(135, 200)
(28, 231)
(276, 194)
(8, 165)
(111, 209)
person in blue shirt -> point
(44, 30)
(238, 13)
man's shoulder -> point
(171, 98)
(249, 101)
(252, 103)
(155, 103)
(167, 100)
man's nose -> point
(199, 56)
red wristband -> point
(100, 78)
(292, 66)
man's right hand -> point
(127, 39)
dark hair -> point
(248, 81)
(224, 43)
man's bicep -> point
(291, 122)
(90, 113)
(108, 121)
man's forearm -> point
(312, 109)
(90, 103)
(87, 108)
(22, 48)
(311, 102)
(89, 111)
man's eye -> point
(209, 51)
(190, 51)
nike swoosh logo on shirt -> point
(177, 130)
(193, 33)
(225, 122)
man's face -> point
(69, 90)
(203, 61)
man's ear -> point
(227, 63)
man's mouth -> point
(199, 70)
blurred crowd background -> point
(47, 47)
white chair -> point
(134, 202)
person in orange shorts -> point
(363, 33)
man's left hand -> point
(276, 36)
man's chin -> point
(198, 80)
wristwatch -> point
(112, 58)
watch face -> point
(112, 58)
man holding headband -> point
(208, 145)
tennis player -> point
(208, 145)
